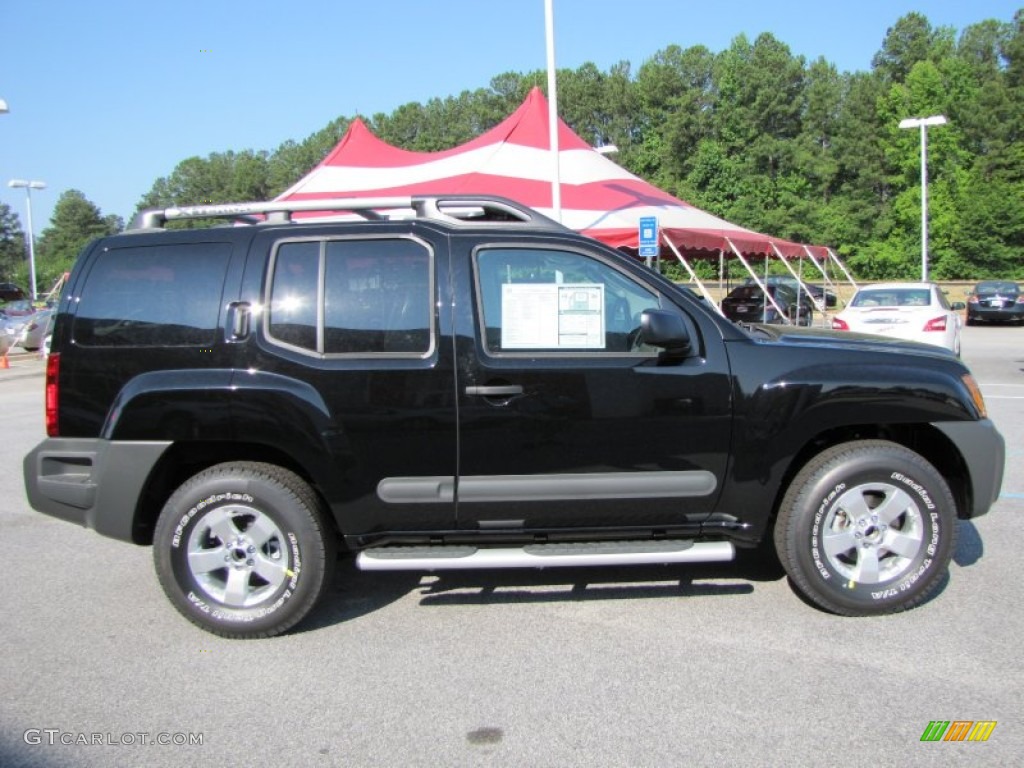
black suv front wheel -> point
(867, 528)
(242, 549)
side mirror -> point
(661, 328)
(958, 306)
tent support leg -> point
(838, 262)
(693, 276)
(760, 283)
(818, 305)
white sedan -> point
(912, 311)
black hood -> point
(825, 337)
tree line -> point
(752, 134)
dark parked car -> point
(818, 293)
(10, 292)
(748, 304)
(995, 301)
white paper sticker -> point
(552, 316)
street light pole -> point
(923, 123)
(28, 187)
(556, 181)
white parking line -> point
(985, 390)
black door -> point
(354, 356)
(565, 419)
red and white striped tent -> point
(598, 197)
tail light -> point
(936, 324)
(1020, 299)
(972, 299)
(52, 391)
(839, 325)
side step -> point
(445, 558)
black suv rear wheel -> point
(242, 549)
(867, 528)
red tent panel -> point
(513, 159)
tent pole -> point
(721, 271)
(761, 285)
(693, 277)
(842, 266)
(822, 268)
(820, 306)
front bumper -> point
(92, 482)
(984, 451)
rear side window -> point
(160, 295)
(352, 297)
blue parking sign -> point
(648, 236)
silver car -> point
(36, 329)
(10, 327)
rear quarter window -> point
(159, 295)
(352, 296)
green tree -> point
(761, 102)
(12, 246)
(74, 223)
(676, 101)
(221, 177)
(863, 190)
(908, 42)
(292, 160)
(441, 123)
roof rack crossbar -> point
(455, 209)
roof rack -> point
(453, 209)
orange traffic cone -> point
(4, 364)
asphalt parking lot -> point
(652, 666)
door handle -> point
(239, 313)
(498, 390)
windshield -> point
(892, 297)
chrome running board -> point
(458, 557)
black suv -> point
(434, 383)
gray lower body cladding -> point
(93, 482)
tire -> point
(867, 528)
(243, 550)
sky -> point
(108, 96)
